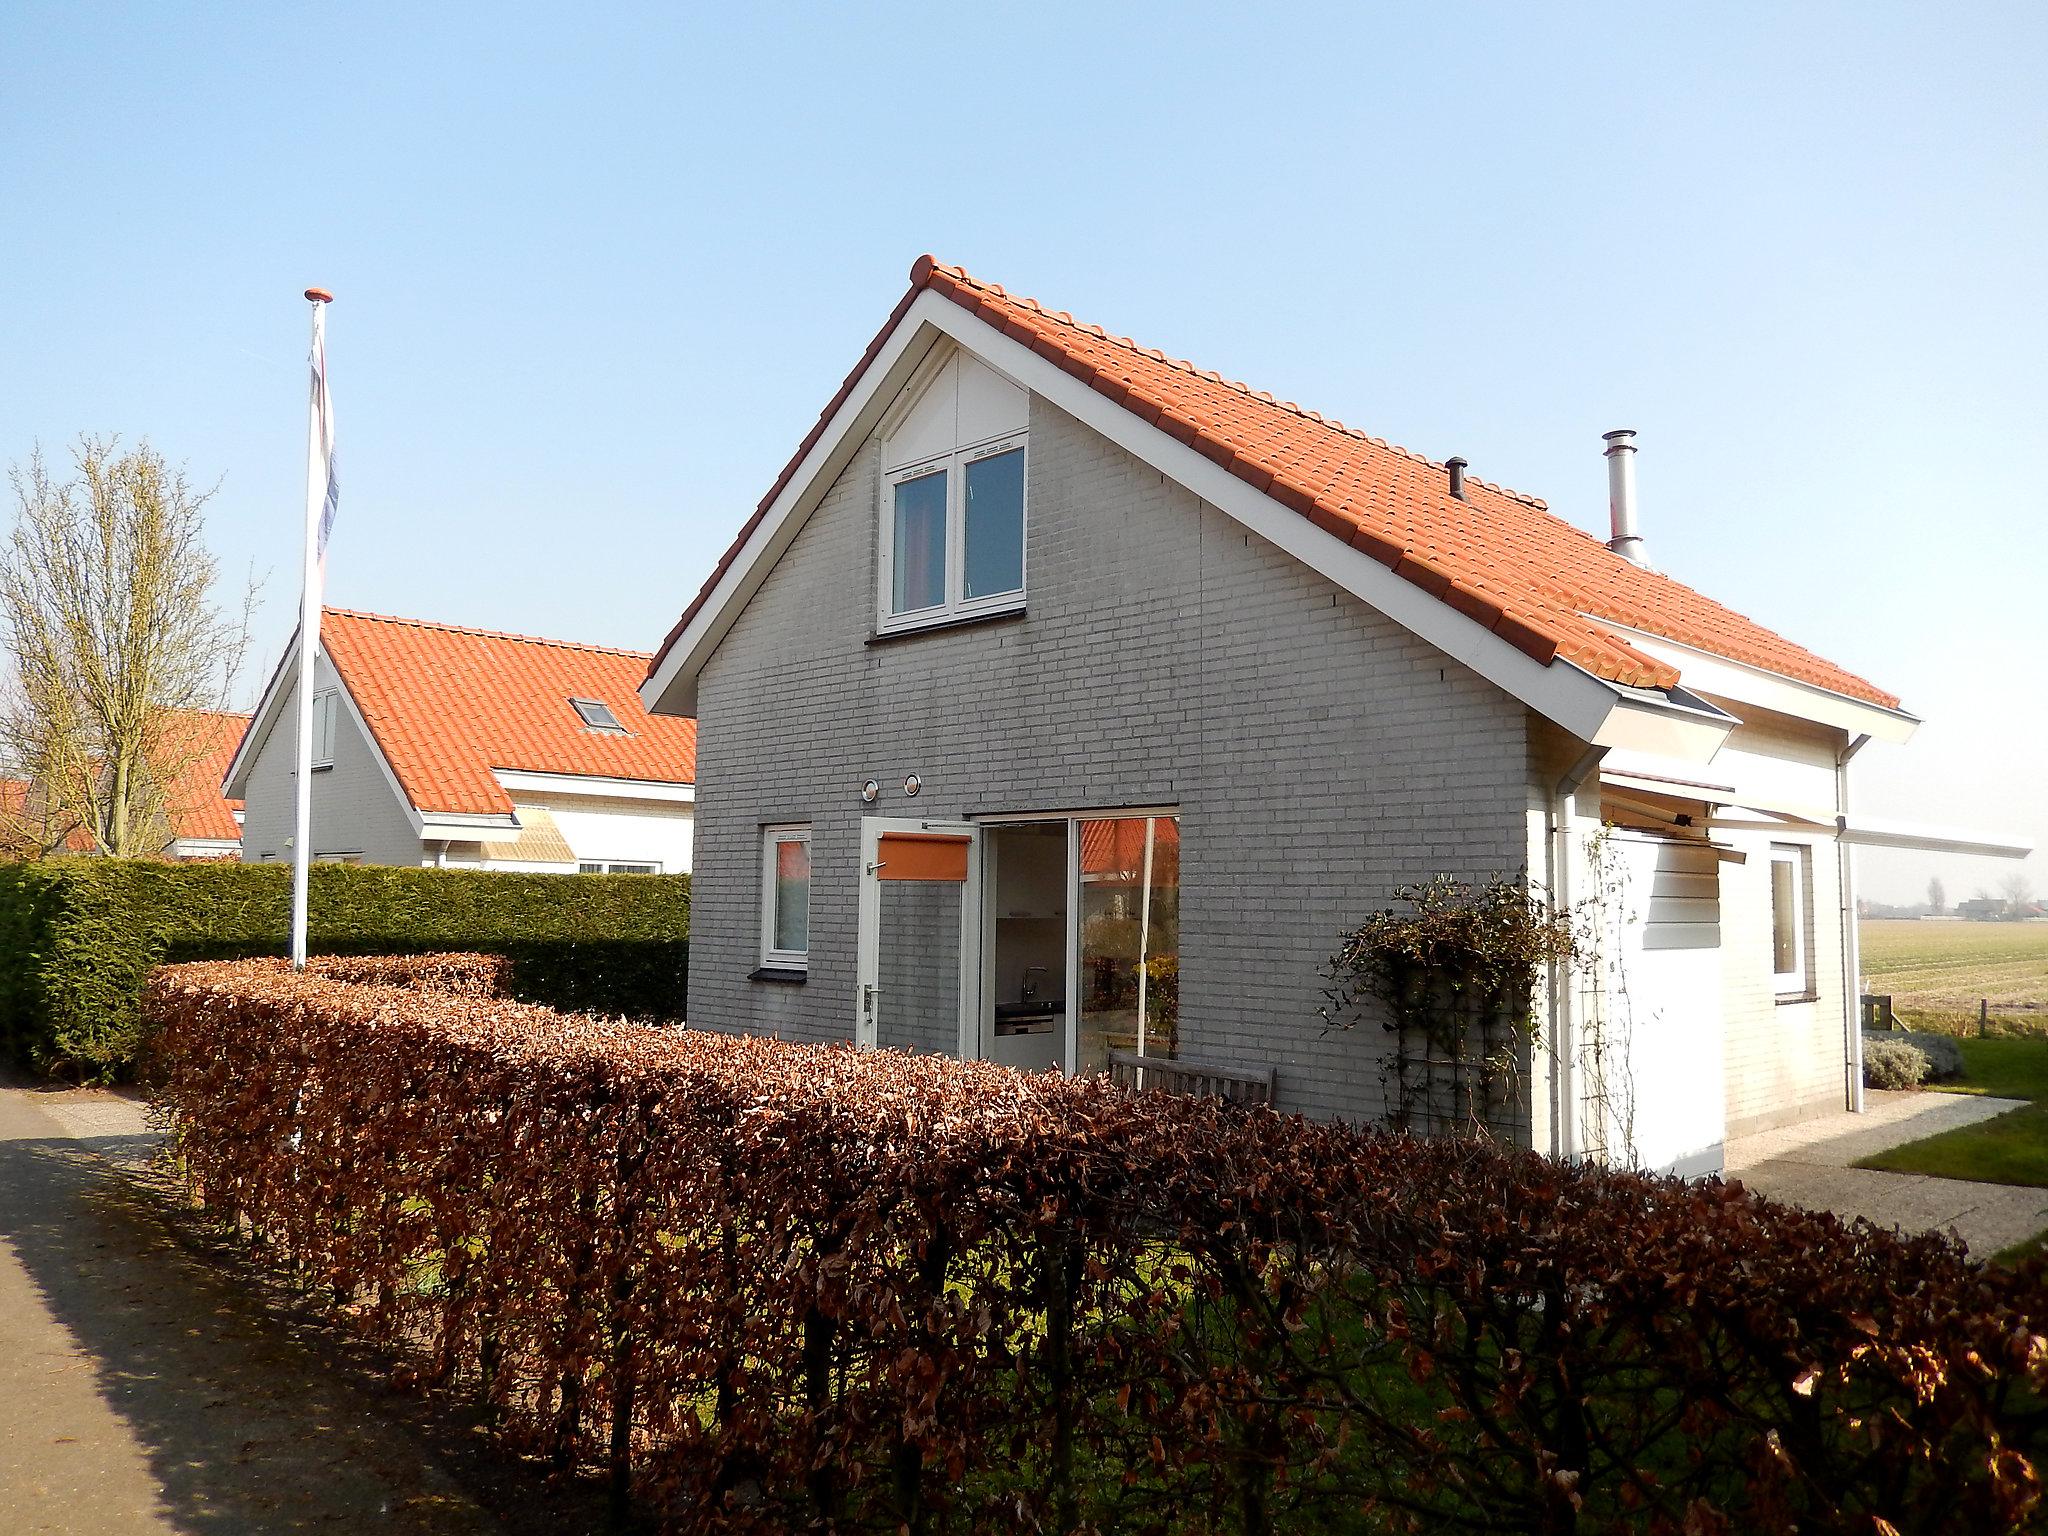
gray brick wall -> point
(1320, 754)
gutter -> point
(1564, 1116)
(1852, 944)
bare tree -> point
(2016, 890)
(1937, 896)
(108, 620)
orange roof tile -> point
(201, 743)
(449, 705)
(1500, 557)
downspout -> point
(1852, 943)
(1564, 1114)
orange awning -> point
(922, 856)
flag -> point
(323, 438)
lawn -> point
(1936, 972)
(2012, 1149)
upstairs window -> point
(324, 706)
(597, 715)
(951, 541)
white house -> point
(1063, 702)
(447, 746)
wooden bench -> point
(1234, 1084)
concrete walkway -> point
(140, 1392)
(1808, 1164)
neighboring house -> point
(28, 830)
(1048, 653)
(198, 821)
(204, 822)
(448, 746)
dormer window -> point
(598, 715)
(951, 536)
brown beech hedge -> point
(776, 1287)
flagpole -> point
(309, 631)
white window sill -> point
(897, 629)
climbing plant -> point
(1454, 976)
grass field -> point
(1936, 972)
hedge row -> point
(780, 1287)
(79, 937)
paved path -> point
(1808, 1164)
(139, 1392)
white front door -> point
(918, 971)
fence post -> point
(1983, 1017)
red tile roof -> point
(201, 743)
(1499, 556)
(449, 705)
(25, 824)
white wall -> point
(646, 831)
(1658, 1067)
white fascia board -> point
(672, 689)
(233, 782)
(533, 782)
(1572, 697)
(1704, 672)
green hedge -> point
(79, 937)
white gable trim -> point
(271, 705)
(1709, 673)
(1591, 709)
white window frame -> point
(618, 866)
(326, 705)
(772, 837)
(1797, 983)
(956, 605)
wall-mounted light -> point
(869, 791)
(912, 785)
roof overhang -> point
(462, 827)
(533, 782)
(1705, 672)
(1593, 710)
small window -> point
(325, 706)
(786, 898)
(597, 715)
(1789, 884)
(616, 867)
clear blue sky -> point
(596, 277)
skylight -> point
(597, 715)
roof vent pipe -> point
(1457, 471)
(1621, 496)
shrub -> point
(1892, 1061)
(1943, 1052)
(78, 938)
(802, 1287)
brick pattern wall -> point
(1320, 755)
